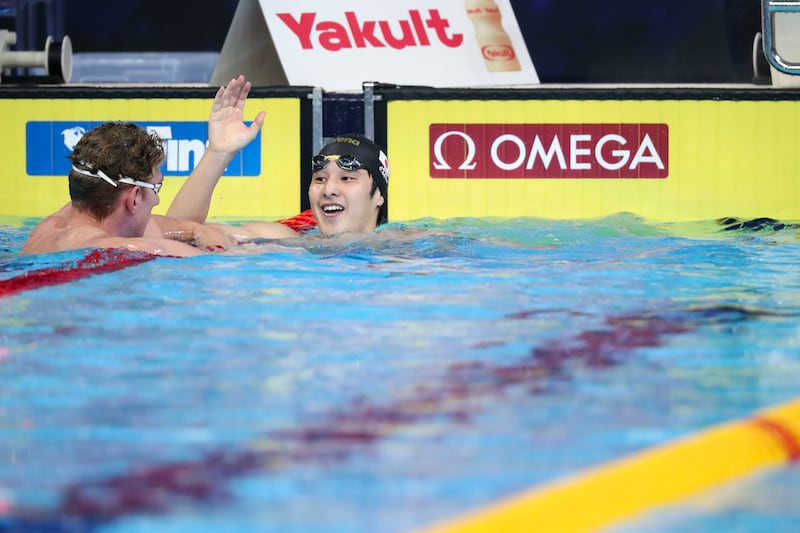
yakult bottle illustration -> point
(496, 48)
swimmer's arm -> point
(218, 236)
(227, 135)
(207, 236)
(261, 230)
(163, 247)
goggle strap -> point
(97, 174)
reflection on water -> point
(387, 380)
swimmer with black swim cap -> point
(349, 186)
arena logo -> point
(48, 144)
(549, 150)
(334, 36)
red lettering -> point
(301, 28)
(419, 27)
(498, 52)
(362, 34)
(398, 44)
(440, 25)
(333, 36)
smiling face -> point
(343, 201)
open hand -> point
(227, 131)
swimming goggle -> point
(345, 162)
(122, 179)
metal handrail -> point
(768, 10)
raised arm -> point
(227, 135)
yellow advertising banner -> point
(664, 160)
(263, 181)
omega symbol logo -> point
(469, 161)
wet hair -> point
(372, 157)
(118, 149)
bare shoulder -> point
(60, 239)
(68, 230)
(57, 232)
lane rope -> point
(97, 261)
(621, 489)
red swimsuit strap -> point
(301, 222)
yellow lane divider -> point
(618, 490)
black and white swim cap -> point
(370, 155)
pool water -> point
(384, 385)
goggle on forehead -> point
(345, 162)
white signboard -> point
(338, 45)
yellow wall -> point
(726, 158)
(273, 194)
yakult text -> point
(353, 33)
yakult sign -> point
(549, 150)
(441, 43)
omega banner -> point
(440, 43)
(549, 150)
(571, 156)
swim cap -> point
(371, 156)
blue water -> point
(382, 385)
